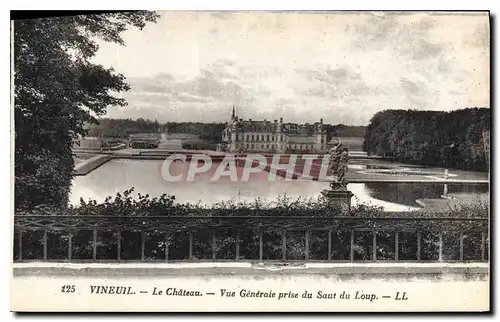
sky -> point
(302, 66)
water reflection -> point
(407, 193)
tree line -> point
(457, 139)
(211, 132)
(122, 128)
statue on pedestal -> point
(338, 193)
(339, 158)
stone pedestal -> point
(338, 198)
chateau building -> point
(276, 136)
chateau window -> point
(253, 139)
(268, 137)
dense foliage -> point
(57, 90)
(202, 228)
(458, 139)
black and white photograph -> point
(251, 161)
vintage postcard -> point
(256, 161)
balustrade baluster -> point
(284, 244)
(94, 244)
(419, 246)
(330, 244)
(396, 246)
(45, 240)
(483, 246)
(461, 245)
(374, 246)
(70, 246)
(190, 245)
(20, 245)
(119, 245)
(167, 245)
(214, 250)
(143, 244)
(307, 244)
(261, 246)
(440, 246)
(352, 246)
(238, 244)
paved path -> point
(401, 269)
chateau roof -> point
(256, 126)
(301, 139)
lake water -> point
(146, 177)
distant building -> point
(276, 136)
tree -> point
(451, 139)
(57, 90)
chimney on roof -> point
(275, 121)
(281, 119)
(250, 120)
